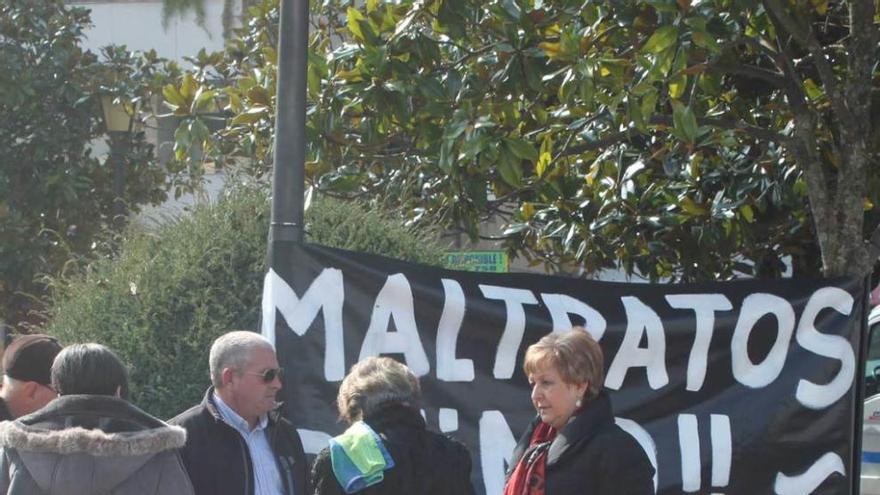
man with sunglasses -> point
(237, 441)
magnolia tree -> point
(56, 196)
(678, 139)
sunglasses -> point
(270, 374)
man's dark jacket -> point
(592, 455)
(5, 415)
(425, 463)
(217, 457)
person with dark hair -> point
(239, 443)
(90, 441)
(574, 445)
(27, 362)
(387, 449)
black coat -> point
(425, 463)
(592, 456)
(217, 458)
(5, 415)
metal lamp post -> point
(288, 182)
(118, 123)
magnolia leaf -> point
(188, 86)
(403, 25)
(543, 162)
(522, 149)
(512, 9)
(270, 54)
(354, 27)
(233, 98)
(258, 95)
(814, 92)
(685, 122)
(250, 116)
(551, 49)
(677, 86)
(705, 40)
(747, 213)
(634, 170)
(648, 105)
(510, 169)
(353, 75)
(663, 38)
(692, 208)
(202, 100)
(173, 96)
(515, 228)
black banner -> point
(742, 387)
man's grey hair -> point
(233, 350)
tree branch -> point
(719, 123)
(611, 139)
(805, 37)
(862, 58)
(759, 45)
(774, 79)
(804, 147)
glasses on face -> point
(269, 375)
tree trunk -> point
(836, 191)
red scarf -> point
(528, 476)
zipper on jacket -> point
(285, 462)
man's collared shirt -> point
(267, 478)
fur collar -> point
(15, 435)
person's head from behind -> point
(374, 383)
(565, 371)
(245, 373)
(89, 369)
(27, 363)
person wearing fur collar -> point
(90, 440)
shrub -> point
(174, 288)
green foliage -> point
(687, 140)
(174, 289)
(56, 197)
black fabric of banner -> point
(791, 341)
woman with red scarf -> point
(574, 447)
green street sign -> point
(478, 261)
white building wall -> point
(138, 26)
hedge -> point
(174, 288)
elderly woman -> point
(574, 446)
(386, 449)
(90, 440)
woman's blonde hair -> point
(374, 382)
(574, 354)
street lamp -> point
(118, 123)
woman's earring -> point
(578, 402)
